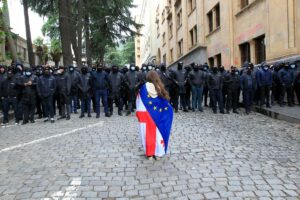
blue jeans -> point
(48, 105)
(86, 105)
(216, 97)
(197, 96)
(248, 95)
(7, 103)
(103, 95)
(74, 103)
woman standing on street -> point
(155, 115)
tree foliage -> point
(125, 54)
(104, 24)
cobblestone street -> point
(210, 157)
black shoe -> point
(24, 122)
(236, 112)
(75, 112)
(128, 113)
(98, 115)
(89, 115)
(176, 111)
(52, 120)
(268, 106)
(222, 112)
(40, 116)
(215, 112)
(193, 110)
(107, 115)
(185, 110)
(120, 113)
(68, 117)
(47, 120)
(32, 121)
(81, 116)
(61, 117)
(227, 112)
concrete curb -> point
(277, 115)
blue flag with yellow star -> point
(161, 113)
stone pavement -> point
(211, 157)
(289, 114)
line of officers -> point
(44, 89)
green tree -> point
(6, 27)
(55, 51)
(41, 50)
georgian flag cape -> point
(155, 116)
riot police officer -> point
(115, 81)
(85, 91)
(215, 86)
(63, 81)
(131, 82)
(180, 79)
(29, 94)
(46, 88)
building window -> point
(171, 55)
(179, 18)
(170, 30)
(191, 5)
(180, 47)
(244, 3)
(260, 49)
(210, 21)
(211, 61)
(214, 18)
(164, 38)
(164, 58)
(219, 60)
(217, 10)
(193, 36)
(245, 52)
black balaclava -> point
(215, 70)
(10, 74)
(84, 70)
(180, 65)
(47, 72)
(163, 67)
(99, 68)
(114, 69)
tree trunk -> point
(28, 34)
(87, 39)
(64, 7)
(76, 39)
(6, 27)
(79, 32)
(87, 33)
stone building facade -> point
(223, 32)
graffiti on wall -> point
(250, 33)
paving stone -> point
(210, 157)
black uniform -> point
(63, 82)
(131, 82)
(215, 86)
(180, 79)
(29, 94)
(115, 81)
(85, 91)
(9, 96)
(232, 81)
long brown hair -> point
(154, 78)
